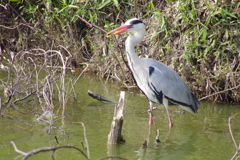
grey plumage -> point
(159, 83)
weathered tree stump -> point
(116, 128)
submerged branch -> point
(99, 97)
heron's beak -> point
(119, 30)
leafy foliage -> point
(198, 39)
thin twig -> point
(91, 25)
(85, 138)
(233, 139)
(20, 99)
(230, 129)
(21, 24)
(118, 47)
(5, 7)
(219, 92)
(17, 150)
(115, 40)
(44, 149)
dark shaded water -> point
(204, 135)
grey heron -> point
(158, 82)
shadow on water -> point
(204, 135)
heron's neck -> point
(130, 44)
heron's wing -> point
(167, 82)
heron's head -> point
(132, 25)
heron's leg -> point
(151, 113)
(165, 103)
(169, 119)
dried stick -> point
(85, 138)
(44, 149)
(20, 99)
(99, 97)
(233, 139)
(219, 92)
(21, 24)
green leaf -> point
(104, 4)
(228, 13)
(116, 4)
(92, 17)
(68, 6)
(152, 5)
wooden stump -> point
(116, 128)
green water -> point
(200, 136)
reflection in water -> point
(180, 148)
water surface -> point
(200, 136)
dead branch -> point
(114, 135)
(115, 41)
(99, 97)
(233, 139)
(21, 24)
(85, 138)
(219, 92)
(20, 99)
(44, 149)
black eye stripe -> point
(135, 22)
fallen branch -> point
(44, 149)
(99, 97)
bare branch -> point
(233, 139)
(21, 24)
(85, 138)
(219, 92)
(44, 149)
